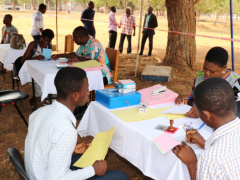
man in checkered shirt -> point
(214, 102)
(128, 24)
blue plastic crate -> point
(112, 99)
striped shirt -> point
(221, 157)
(49, 144)
(127, 24)
(7, 32)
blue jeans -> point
(37, 37)
(109, 175)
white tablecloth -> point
(133, 141)
(8, 55)
(44, 72)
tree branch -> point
(196, 1)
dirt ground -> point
(12, 129)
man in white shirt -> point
(214, 101)
(37, 22)
(52, 137)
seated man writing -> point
(90, 48)
(52, 137)
(215, 65)
(214, 103)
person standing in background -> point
(8, 29)
(150, 22)
(87, 19)
(37, 22)
(112, 28)
(128, 24)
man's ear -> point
(208, 115)
(75, 96)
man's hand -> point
(134, 33)
(181, 99)
(188, 157)
(54, 57)
(192, 113)
(100, 167)
(185, 154)
(81, 147)
(195, 138)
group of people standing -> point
(127, 25)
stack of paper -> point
(133, 114)
(167, 97)
(165, 143)
(89, 65)
(97, 150)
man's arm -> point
(134, 26)
(188, 157)
(60, 159)
(83, 16)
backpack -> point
(17, 41)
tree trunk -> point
(14, 4)
(34, 4)
(181, 49)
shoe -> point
(129, 53)
(140, 54)
(149, 55)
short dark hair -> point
(214, 95)
(218, 56)
(48, 33)
(42, 6)
(112, 8)
(90, 2)
(9, 16)
(69, 80)
(81, 31)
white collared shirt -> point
(49, 144)
(37, 23)
(221, 157)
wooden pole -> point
(56, 28)
(139, 37)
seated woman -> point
(215, 65)
(35, 51)
(35, 48)
(90, 48)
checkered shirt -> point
(127, 24)
(49, 145)
(221, 157)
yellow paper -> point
(173, 116)
(133, 114)
(97, 150)
(87, 64)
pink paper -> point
(125, 81)
(167, 97)
(85, 69)
(165, 142)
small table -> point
(8, 55)
(133, 140)
(44, 72)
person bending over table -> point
(35, 51)
(214, 103)
(90, 48)
(215, 65)
(52, 137)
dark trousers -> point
(112, 39)
(129, 38)
(92, 32)
(149, 35)
(37, 37)
(109, 175)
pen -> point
(188, 98)
(196, 130)
(199, 128)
